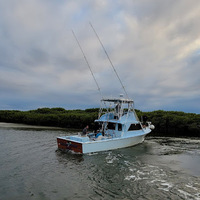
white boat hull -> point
(110, 144)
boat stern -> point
(66, 144)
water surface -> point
(32, 168)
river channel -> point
(31, 167)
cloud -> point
(154, 46)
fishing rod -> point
(109, 60)
(87, 63)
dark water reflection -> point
(32, 168)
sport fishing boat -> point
(119, 127)
(118, 124)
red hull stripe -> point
(69, 145)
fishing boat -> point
(119, 127)
(118, 124)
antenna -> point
(87, 62)
(109, 59)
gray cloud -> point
(154, 46)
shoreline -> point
(27, 126)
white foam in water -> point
(127, 163)
(166, 187)
(93, 153)
(142, 173)
(185, 194)
(190, 186)
(110, 159)
(158, 177)
(152, 174)
(130, 177)
(195, 196)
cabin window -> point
(116, 117)
(111, 126)
(119, 127)
(134, 127)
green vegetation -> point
(58, 117)
(167, 123)
(173, 123)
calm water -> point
(32, 168)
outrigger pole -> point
(109, 60)
(87, 63)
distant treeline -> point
(167, 123)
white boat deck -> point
(86, 139)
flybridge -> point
(116, 100)
(117, 109)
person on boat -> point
(98, 136)
(85, 131)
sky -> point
(154, 46)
